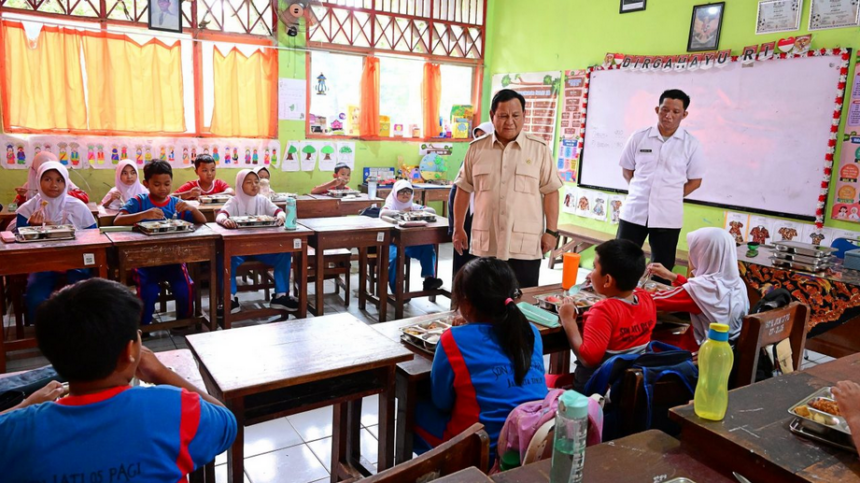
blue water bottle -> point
(290, 209)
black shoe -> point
(432, 284)
(235, 308)
(284, 302)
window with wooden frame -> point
(114, 31)
(405, 35)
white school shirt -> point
(661, 168)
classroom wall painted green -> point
(291, 64)
(543, 35)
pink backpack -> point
(528, 418)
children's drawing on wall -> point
(615, 204)
(737, 224)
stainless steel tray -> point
(426, 335)
(259, 221)
(780, 263)
(279, 197)
(32, 234)
(582, 300)
(214, 199)
(409, 216)
(164, 227)
(804, 249)
(343, 193)
(800, 427)
(817, 418)
(651, 286)
(794, 257)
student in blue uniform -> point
(399, 201)
(105, 430)
(52, 206)
(484, 369)
(158, 205)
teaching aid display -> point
(541, 92)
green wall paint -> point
(542, 35)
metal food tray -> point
(800, 248)
(582, 300)
(343, 193)
(426, 335)
(417, 216)
(801, 427)
(277, 197)
(794, 257)
(257, 221)
(835, 423)
(164, 227)
(651, 286)
(780, 263)
(32, 234)
(213, 199)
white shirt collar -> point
(680, 133)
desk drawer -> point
(167, 253)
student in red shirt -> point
(716, 293)
(207, 184)
(621, 323)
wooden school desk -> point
(432, 234)
(754, 438)
(468, 475)
(359, 232)
(643, 457)
(210, 210)
(87, 250)
(354, 206)
(261, 241)
(106, 216)
(435, 192)
(270, 371)
(307, 206)
(136, 250)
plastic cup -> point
(569, 270)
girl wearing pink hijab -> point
(30, 189)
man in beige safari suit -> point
(515, 184)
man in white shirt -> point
(662, 165)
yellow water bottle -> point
(715, 366)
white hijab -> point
(33, 175)
(243, 205)
(128, 192)
(487, 127)
(391, 201)
(63, 209)
(717, 287)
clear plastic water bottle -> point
(571, 432)
(290, 209)
(371, 186)
(715, 366)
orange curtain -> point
(368, 117)
(431, 95)
(132, 87)
(243, 93)
(44, 87)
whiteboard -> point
(764, 129)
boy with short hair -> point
(106, 430)
(341, 176)
(621, 323)
(206, 184)
(158, 205)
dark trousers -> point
(527, 272)
(459, 261)
(664, 241)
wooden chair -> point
(668, 392)
(337, 268)
(766, 328)
(257, 276)
(469, 448)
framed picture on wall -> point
(632, 6)
(777, 16)
(705, 27)
(165, 15)
(833, 14)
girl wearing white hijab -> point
(52, 206)
(716, 293)
(483, 129)
(126, 186)
(400, 200)
(248, 202)
(29, 190)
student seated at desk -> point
(262, 172)
(158, 205)
(484, 369)
(126, 186)
(341, 176)
(715, 294)
(400, 200)
(30, 189)
(206, 184)
(106, 430)
(249, 202)
(621, 323)
(52, 206)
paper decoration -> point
(272, 153)
(598, 206)
(17, 153)
(292, 98)
(787, 230)
(761, 229)
(570, 199)
(816, 236)
(307, 155)
(290, 161)
(584, 200)
(346, 153)
(541, 92)
(442, 149)
(847, 234)
(833, 14)
(572, 118)
(615, 204)
(327, 153)
(737, 224)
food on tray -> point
(554, 299)
(654, 287)
(206, 199)
(826, 406)
(48, 232)
(802, 411)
